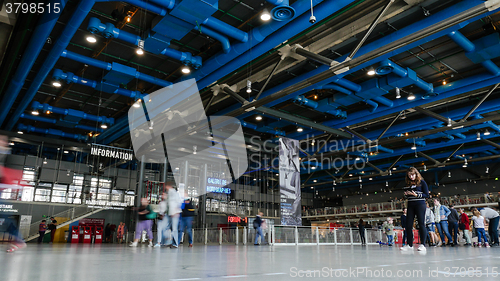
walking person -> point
(52, 227)
(145, 222)
(174, 211)
(442, 212)
(188, 213)
(257, 225)
(492, 217)
(403, 225)
(415, 191)
(120, 231)
(465, 226)
(162, 223)
(453, 219)
(42, 227)
(361, 227)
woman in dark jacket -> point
(361, 227)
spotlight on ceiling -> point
(487, 170)
(449, 174)
(371, 72)
(398, 93)
(444, 82)
(249, 86)
(299, 129)
(20, 132)
(104, 126)
(449, 122)
(265, 16)
(11, 143)
(478, 136)
(45, 160)
(91, 38)
(465, 163)
(411, 96)
(137, 104)
(486, 133)
(56, 84)
(413, 147)
(140, 51)
(35, 112)
(258, 117)
(185, 70)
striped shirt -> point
(421, 190)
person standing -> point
(120, 231)
(41, 231)
(145, 222)
(492, 217)
(442, 212)
(403, 225)
(161, 225)
(107, 233)
(465, 226)
(388, 228)
(430, 225)
(479, 226)
(174, 211)
(415, 191)
(257, 225)
(188, 213)
(453, 219)
(52, 228)
(361, 227)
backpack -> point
(256, 224)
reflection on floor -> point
(119, 262)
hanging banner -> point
(289, 174)
(111, 152)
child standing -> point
(388, 229)
(479, 226)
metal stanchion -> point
(245, 235)
(335, 235)
(317, 235)
(206, 236)
(296, 236)
(350, 234)
(237, 235)
(220, 236)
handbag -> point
(461, 226)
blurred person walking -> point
(465, 226)
(42, 227)
(188, 213)
(162, 223)
(257, 225)
(174, 210)
(145, 222)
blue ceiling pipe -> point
(428, 21)
(69, 77)
(113, 66)
(73, 113)
(387, 67)
(323, 105)
(282, 11)
(42, 31)
(54, 121)
(477, 55)
(72, 26)
(222, 64)
(108, 30)
(351, 98)
(264, 129)
(226, 45)
(22, 127)
(167, 4)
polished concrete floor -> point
(118, 262)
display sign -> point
(217, 185)
(234, 219)
(91, 222)
(106, 204)
(7, 208)
(111, 152)
(289, 175)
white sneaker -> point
(406, 248)
(422, 248)
(157, 245)
(133, 244)
(150, 244)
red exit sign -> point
(234, 219)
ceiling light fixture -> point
(137, 104)
(104, 126)
(11, 143)
(128, 18)
(35, 112)
(315, 180)
(140, 49)
(258, 117)
(360, 180)
(386, 183)
(449, 122)
(486, 133)
(414, 147)
(444, 82)
(313, 168)
(66, 152)
(265, 16)
(299, 129)
(20, 132)
(478, 136)
(487, 170)
(465, 163)
(398, 93)
(91, 38)
(45, 160)
(194, 149)
(56, 84)
(411, 96)
(371, 72)
(47, 112)
(425, 168)
(185, 70)
(249, 86)
(449, 174)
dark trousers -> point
(40, 238)
(404, 235)
(453, 228)
(362, 235)
(416, 208)
(52, 233)
(493, 230)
